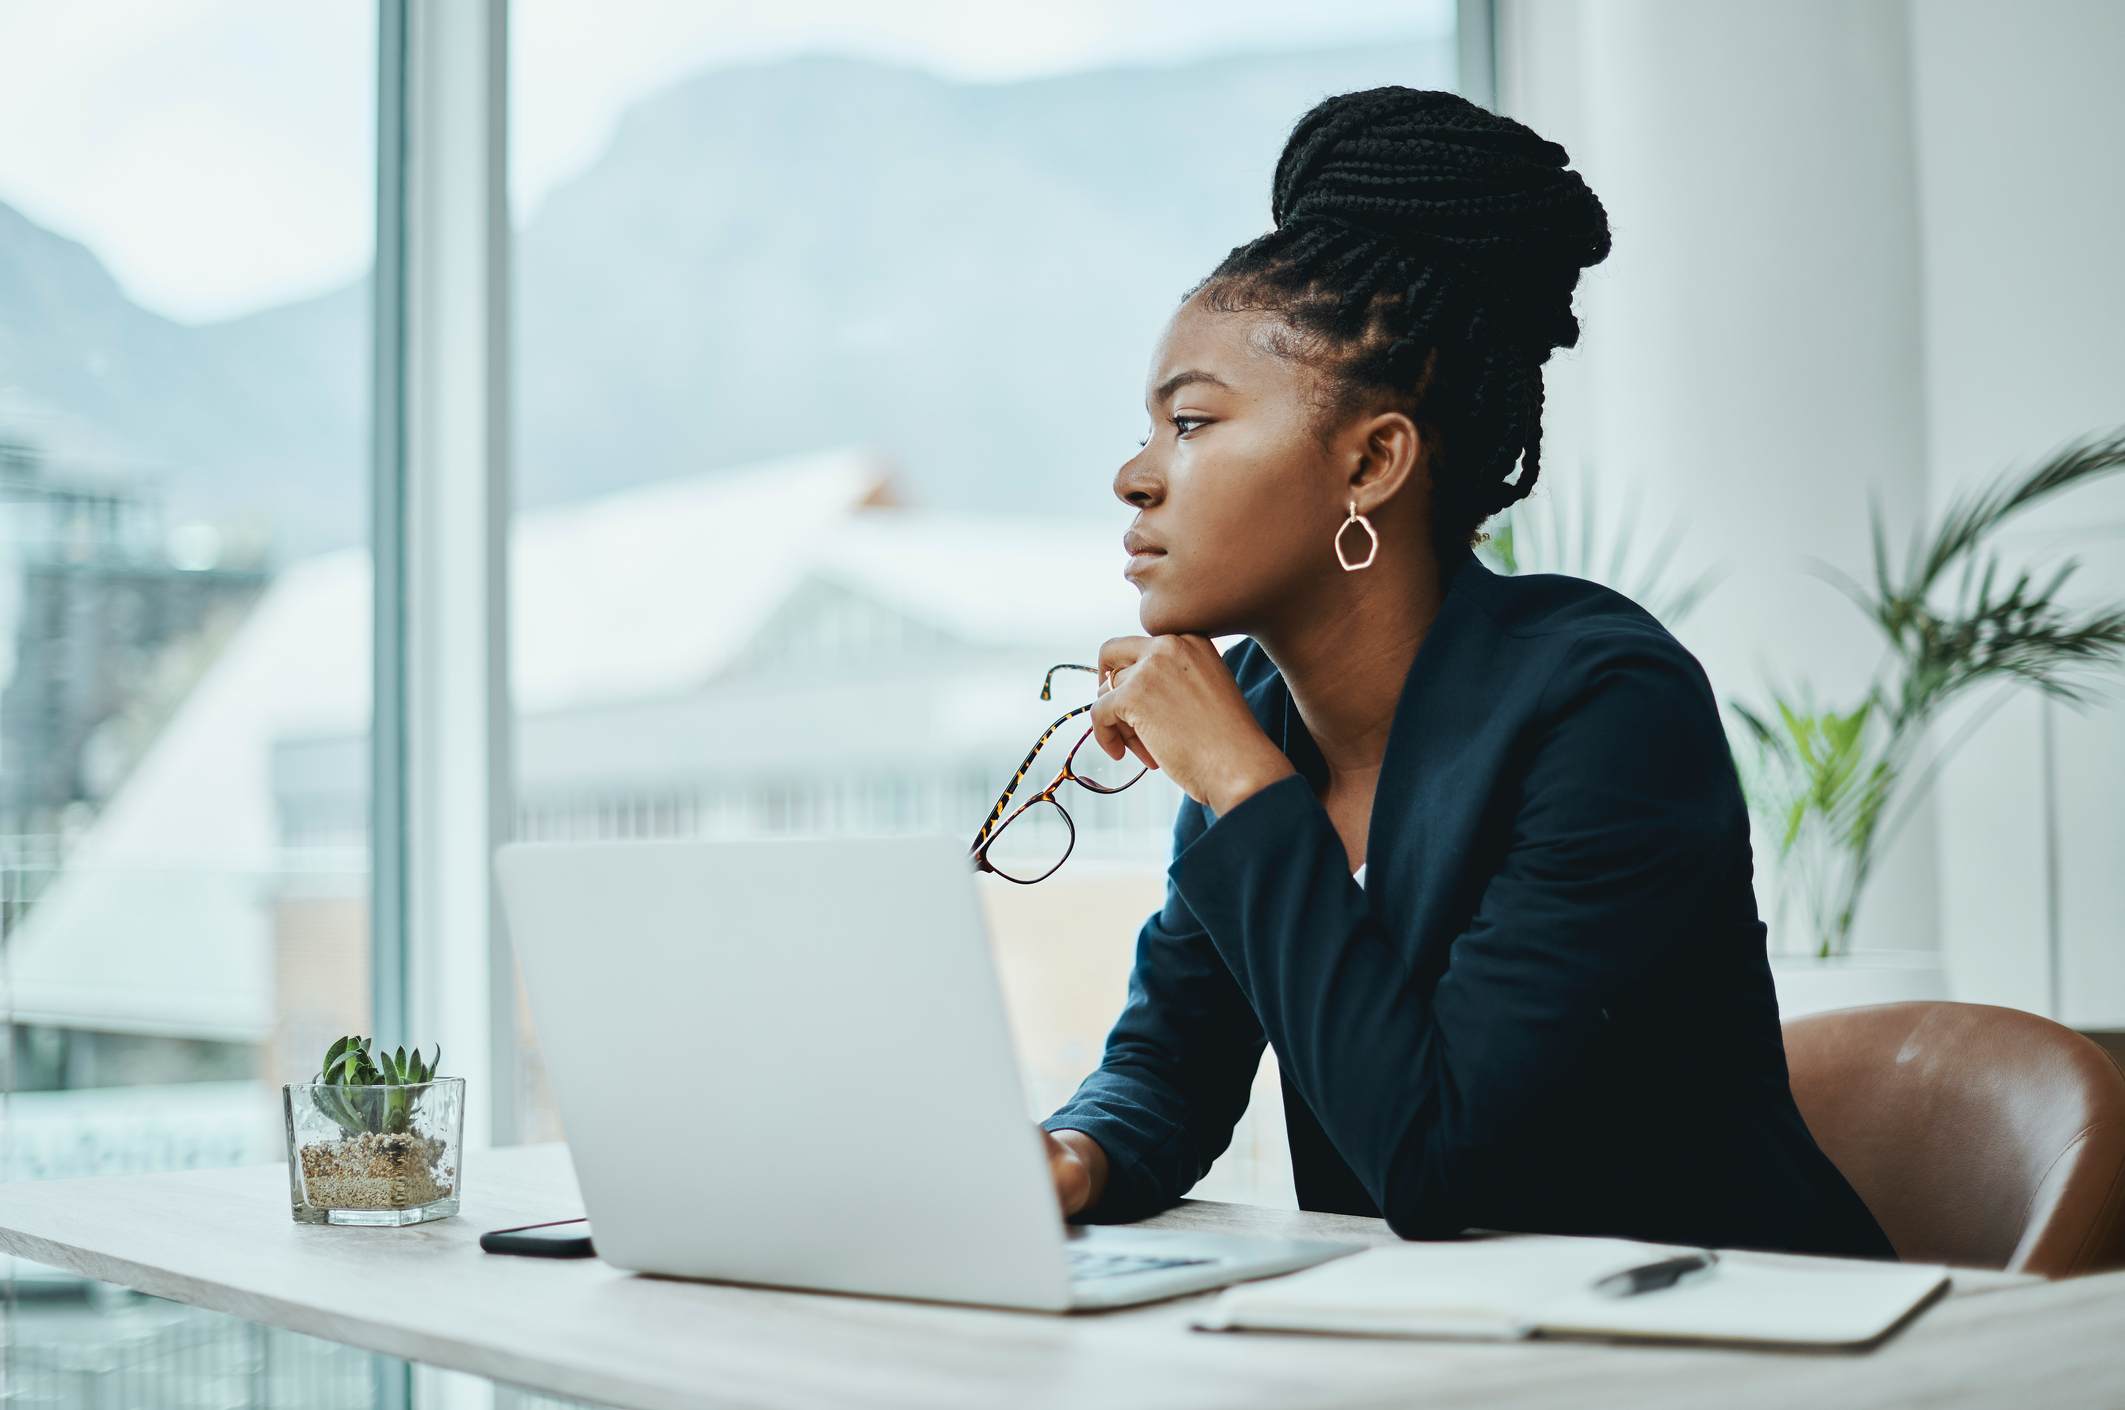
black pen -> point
(1649, 1276)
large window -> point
(186, 225)
(831, 333)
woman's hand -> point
(1078, 1166)
(1172, 702)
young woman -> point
(1467, 850)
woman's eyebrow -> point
(1181, 379)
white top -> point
(1359, 875)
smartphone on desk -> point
(557, 1238)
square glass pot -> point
(371, 1155)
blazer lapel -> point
(1442, 703)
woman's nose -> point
(1137, 483)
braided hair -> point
(1424, 256)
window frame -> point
(441, 736)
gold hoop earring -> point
(1364, 523)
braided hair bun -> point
(1427, 249)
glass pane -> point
(1090, 764)
(94, 1346)
(831, 336)
(184, 604)
(1032, 843)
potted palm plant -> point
(374, 1138)
(1831, 785)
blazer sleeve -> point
(1178, 1067)
(1626, 805)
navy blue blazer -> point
(1547, 1009)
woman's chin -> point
(1152, 614)
(1161, 616)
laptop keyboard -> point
(1088, 1263)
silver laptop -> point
(787, 1062)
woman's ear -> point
(1390, 456)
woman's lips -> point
(1141, 560)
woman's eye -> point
(1178, 428)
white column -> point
(1751, 350)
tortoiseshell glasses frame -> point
(991, 828)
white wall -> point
(1751, 350)
(1866, 246)
(2020, 116)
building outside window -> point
(845, 334)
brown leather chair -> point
(1980, 1137)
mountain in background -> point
(779, 257)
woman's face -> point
(1237, 501)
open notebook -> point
(1523, 1285)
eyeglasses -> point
(1034, 840)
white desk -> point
(223, 1240)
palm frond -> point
(1841, 580)
(1970, 518)
(1558, 532)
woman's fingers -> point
(1114, 734)
(1134, 744)
(1119, 652)
(1073, 1179)
(1111, 732)
(1129, 744)
(1108, 730)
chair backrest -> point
(1979, 1136)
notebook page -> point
(1844, 1302)
(1469, 1288)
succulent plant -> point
(354, 1086)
